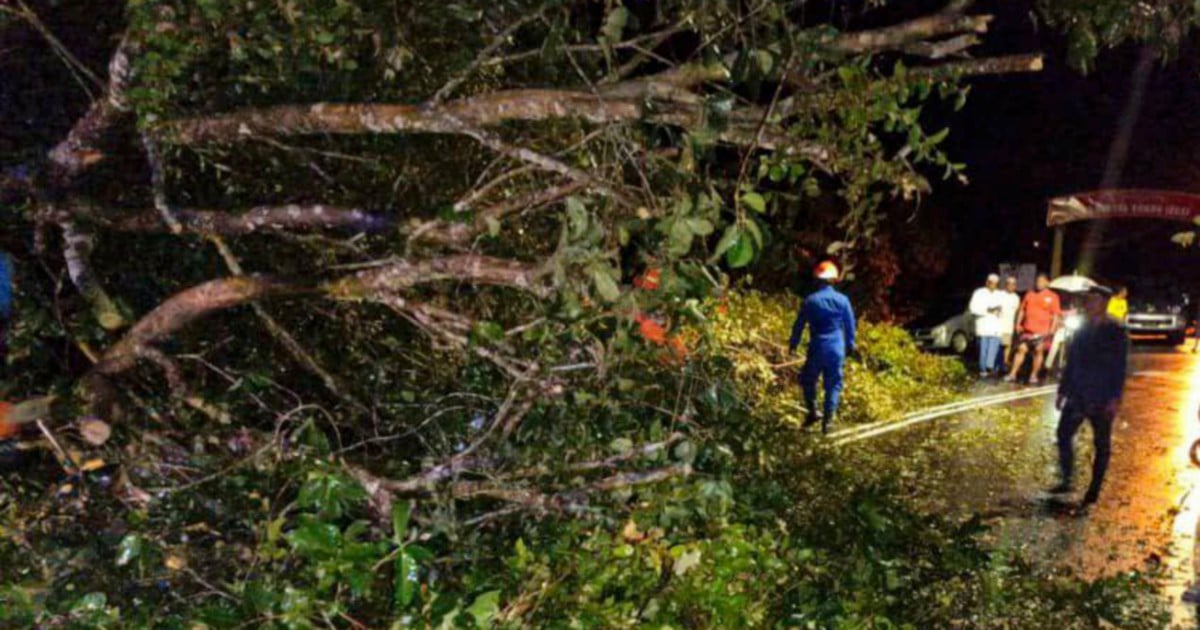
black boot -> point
(813, 418)
(825, 422)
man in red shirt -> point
(1037, 320)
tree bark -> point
(262, 219)
(83, 145)
(330, 118)
(77, 251)
(190, 305)
(469, 268)
(950, 21)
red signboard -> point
(1124, 204)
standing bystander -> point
(1010, 303)
(986, 308)
(1038, 319)
(1091, 389)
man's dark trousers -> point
(1068, 425)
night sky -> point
(1027, 138)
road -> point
(998, 464)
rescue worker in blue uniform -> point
(6, 300)
(830, 319)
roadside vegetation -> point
(753, 523)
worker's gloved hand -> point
(854, 354)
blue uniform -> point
(830, 319)
(5, 286)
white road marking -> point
(864, 432)
(926, 416)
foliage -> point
(470, 405)
(293, 542)
(892, 378)
(1095, 25)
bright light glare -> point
(1074, 322)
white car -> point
(941, 330)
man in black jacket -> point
(1091, 390)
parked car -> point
(1159, 313)
(949, 327)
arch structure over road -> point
(1165, 205)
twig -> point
(282, 335)
(64, 459)
(498, 41)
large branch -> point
(399, 275)
(77, 251)
(83, 145)
(950, 21)
(363, 118)
(1008, 64)
(438, 480)
(190, 305)
(186, 307)
(286, 218)
(283, 336)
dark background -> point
(1028, 138)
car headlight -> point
(1175, 310)
(939, 333)
(1074, 322)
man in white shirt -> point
(1010, 303)
(986, 307)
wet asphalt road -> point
(998, 463)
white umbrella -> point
(1074, 283)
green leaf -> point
(700, 227)
(621, 445)
(330, 494)
(487, 332)
(129, 549)
(406, 580)
(755, 233)
(614, 24)
(401, 510)
(484, 608)
(728, 240)
(679, 242)
(314, 538)
(605, 285)
(685, 452)
(812, 187)
(938, 137)
(961, 101)
(577, 217)
(755, 202)
(90, 603)
(766, 61)
(741, 253)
